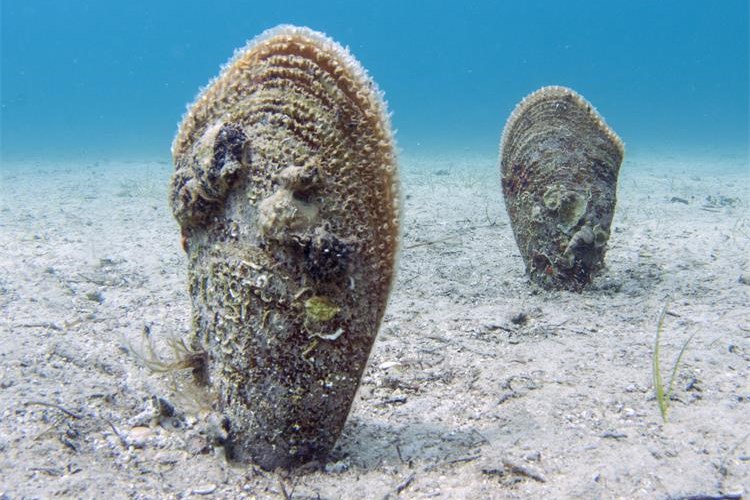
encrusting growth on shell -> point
(286, 190)
(559, 163)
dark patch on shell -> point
(227, 147)
(326, 257)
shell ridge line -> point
(335, 51)
(558, 91)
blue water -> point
(105, 79)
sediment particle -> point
(286, 191)
(559, 164)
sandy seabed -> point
(479, 385)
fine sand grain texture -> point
(478, 386)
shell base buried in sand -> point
(286, 191)
(559, 163)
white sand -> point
(458, 400)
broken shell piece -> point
(559, 163)
(331, 336)
(286, 190)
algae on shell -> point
(286, 190)
(559, 163)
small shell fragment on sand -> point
(559, 163)
(286, 191)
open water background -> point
(93, 79)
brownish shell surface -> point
(286, 190)
(559, 163)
